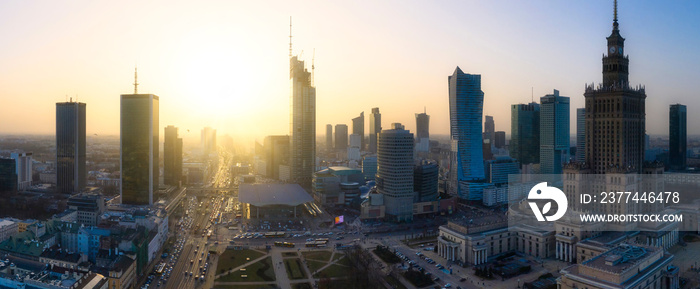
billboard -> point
(338, 220)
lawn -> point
(289, 254)
(338, 256)
(323, 255)
(315, 265)
(344, 261)
(333, 271)
(294, 270)
(233, 258)
(256, 272)
(394, 282)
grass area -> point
(233, 258)
(315, 265)
(294, 270)
(301, 286)
(261, 286)
(256, 272)
(394, 282)
(333, 271)
(338, 256)
(289, 254)
(323, 255)
(344, 261)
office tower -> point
(500, 139)
(369, 167)
(89, 207)
(554, 133)
(466, 107)
(302, 127)
(489, 128)
(580, 135)
(329, 137)
(677, 131)
(615, 114)
(395, 171)
(487, 154)
(375, 126)
(172, 157)
(525, 133)
(425, 181)
(71, 174)
(358, 128)
(276, 154)
(497, 170)
(23, 162)
(354, 148)
(139, 148)
(8, 175)
(341, 137)
(422, 132)
(208, 140)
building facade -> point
(580, 135)
(678, 137)
(23, 169)
(375, 126)
(71, 174)
(525, 133)
(329, 137)
(554, 133)
(139, 148)
(172, 157)
(425, 181)
(358, 128)
(422, 132)
(341, 137)
(277, 152)
(302, 129)
(395, 171)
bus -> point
(274, 235)
(315, 244)
(284, 244)
(324, 240)
(160, 268)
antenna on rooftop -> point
(290, 36)
(136, 80)
(532, 94)
(313, 58)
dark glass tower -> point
(358, 128)
(375, 126)
(422, 126)
(302, 130)
(341, 137)
(71, 174)
(172, 157)
(678, 139)
(139, 148)
(525, 133)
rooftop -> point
(273, 194)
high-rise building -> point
(329, 137)
(615, 114)
(276, 154)
(354, 148)
(172, 157)
(369, 167)
(500, 139)
(139, 148)
(71, 174)
(467, 162)
(395, 171)
(358, 128)
(341, 137)
(375, 126)
(489, 128)
(678, 139)
(23, 162)
(554, 133)
(425, 181)
(302, 128)
(525, 133)
(89, 207)
(580, 135)
(8, 175)
(497, 170)
(422, 132)
(208, 140)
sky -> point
(225, 64)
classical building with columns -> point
(623, 266)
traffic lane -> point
(445, 278)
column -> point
(474, 253)
(557, 251)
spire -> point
(615, 16)
(136, 81)
(290, 36)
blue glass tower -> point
(554, 132)
(466, 109)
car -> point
(448, 285)
(436, 279)
(462, 280)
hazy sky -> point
(224, 63)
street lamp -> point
(518, 282)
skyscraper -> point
(466, 107)
(71, 174)
(554, 133)
(276, 154)
(500, 139)
(525, 133)
(302, 127)
(208, 140)
(678, 140)
(580, 135)
(341, 137)
(329, 137)
(8, 175)
(422, 132)
(358, 128)
(23, 162)
(425, 181)
(172, 157)
(375, 126)
(395, 171)
(139, 148)
(489, 128)
(615, 114)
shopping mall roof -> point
(273, 194)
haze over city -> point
(224, 63)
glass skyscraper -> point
(466, 110)
(678, 139)
(302, 125)
(358, 128)
(375, 126)
(580, 135)
(554, 133)
(139, 148)
(71, 174)
(525, 133)
(172, 157)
